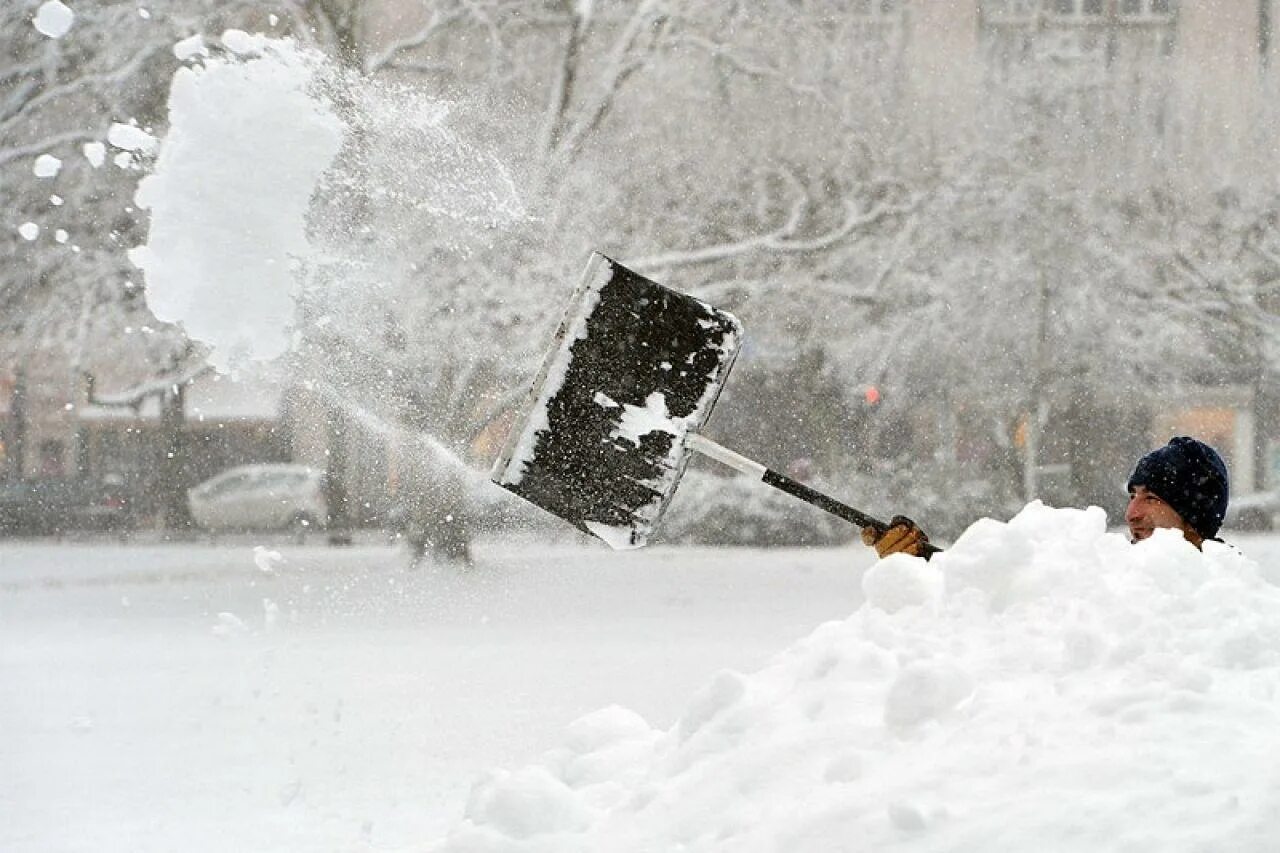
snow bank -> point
(247, 143)
(1042, 685)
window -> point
(52, 454)
(228, 486)
(1010, 10)
(1077, 8)
(876, 8)
(1147, 8)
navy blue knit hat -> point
(1189, 476)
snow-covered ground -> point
(178, 697)
(218, 697)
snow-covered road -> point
(179, 697)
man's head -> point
(1182, 485)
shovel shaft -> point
(795, 488)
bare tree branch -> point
(781, 239)
(761, 70)
(8, 155)
(621, 65)
(80, 84)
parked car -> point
(261, 497)
(53, 506)
(1257, 511)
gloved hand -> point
(903, 536)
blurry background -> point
(985, 252)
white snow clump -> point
(246, 145)
(131, 138)
(53, 19)
(46, 166)
(189, 47)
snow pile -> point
(1041, 685)
(228, 199)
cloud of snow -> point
(53, 19)
(1042, 684)
(253, 131)
(247, 142)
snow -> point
(217, 259)
(131, 138)
(29, 231)
(266, 559)
(354, 713)
(617, 536)
(95, 153)
(261, 124)
(46, 166)
(1042, 684)
(189, 47)
(1083, 694)
(638, 421)
(53, 19)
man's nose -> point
(1131, 511)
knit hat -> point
(1191, 477)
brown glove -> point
(903, 536)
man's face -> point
(1147, 511)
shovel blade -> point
(633, 368)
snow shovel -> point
(629, 381)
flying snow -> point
(247, 143)
(53, 19)
(29, 231)
(189, 47)
(130, 138)
(252, 132)
(1043, 684)
(46, 166)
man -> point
(1183, 486)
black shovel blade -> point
(633, 368)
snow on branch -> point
(781, 239)
(117, 75)
(8, 155)
(562, 87)
(621, 65)
(161, 386)
(725, 53)
(437, 22)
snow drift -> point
(1042, 685)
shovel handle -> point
(795, 488)
(833, 506)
